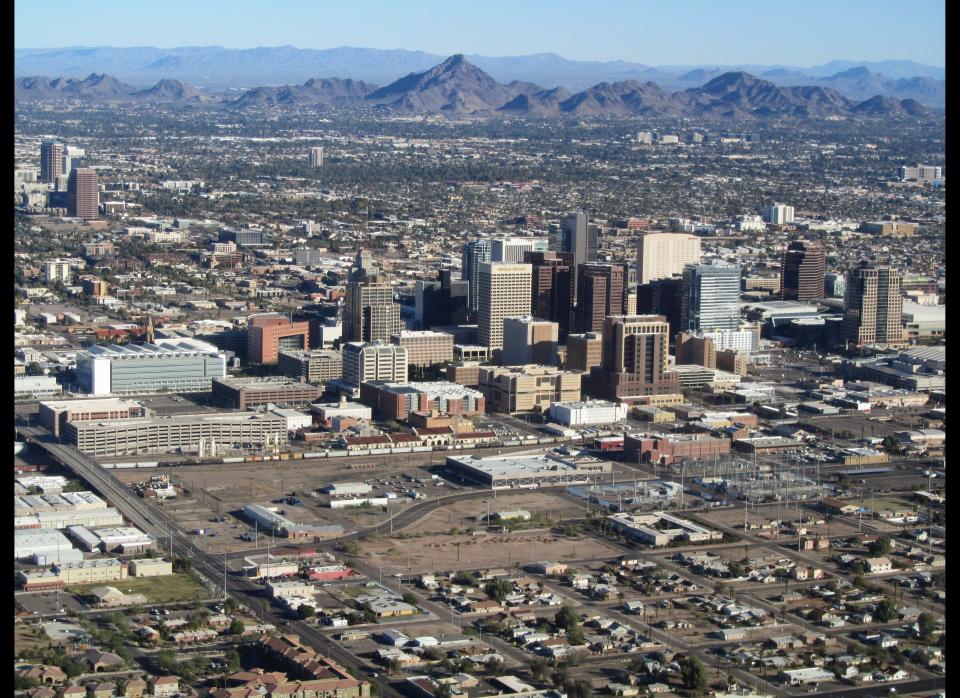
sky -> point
(653, 32)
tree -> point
(567, 618)
(886, 611)
(232, 658)
(736, 569)
(498, 589)
(465, 578)
(443, 691)
(22, 683)
(495, 667)
(71, 667)
(538, 667)
(926, 623)
(580, 688)
(304, 611)
(434, 654)
(881, 546)
(693, 674)
(237, 627)
(410, 598)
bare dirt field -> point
(465, 551)
(472, 513)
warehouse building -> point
(91, 571)
(123, 540)
(181, 366)
(186, 432)
(63, 519)
(24, 505)
(673, 448)
(150, 567)
(660, 528)
(547, 470)
(44, 546)
(243, 393)
(55, 414)
(587, 412)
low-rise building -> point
(660, 528)
(588, 412)
(243, 393)
(150, 567)
(515, 471)
(514, 389)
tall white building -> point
(778, 214)
(57, 270)
(374, 361)
(662, 255)
(316, 156)
(512, 249)
(71, 158)
(503, 290)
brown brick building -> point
(268, 335)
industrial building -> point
(185, 432)
(548, 470)
(667, 449)
(243, 393)
(660, 528)
(44, 546)
(150, 567)
(91, 571)
(24, 505)
(181, 366)
(55, 414)
(583, 413)
(63, 519)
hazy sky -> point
(655, 32)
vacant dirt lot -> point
(472, 513)
(465, 551)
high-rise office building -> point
(551, 287)
(503, 290)
(529, 340)
(271, 333)
(802, 271)
(663, 255)
(576, 234)
(72, 156)
(710, 298)
(83, 194)
(512, 250)
(442, 302)
(873, 306)
(316, 156)
(662, 297)
(635, 360)
(364, 265)
(51, 161)
(369, 312)
(601, 291)
(473, 254)
(778, 214)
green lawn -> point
(165, 589)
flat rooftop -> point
(509, 466)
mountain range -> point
(458, 88)
(217, 68)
